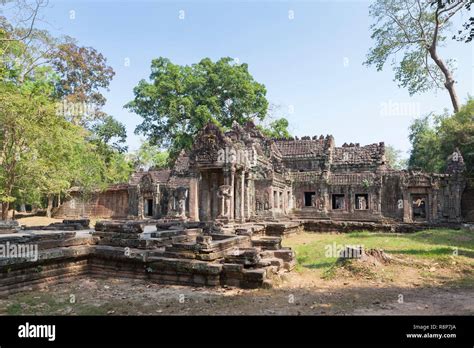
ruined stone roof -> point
(157, 176)
(176, 181)
(304, 147)
(355, 154)
(181, 164)
(111, 187)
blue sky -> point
(311, 64)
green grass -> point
(437, 244)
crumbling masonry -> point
(219, 215)
(241, 176)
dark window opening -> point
(149, 207)
(419, 207)
(310, 199)
(337, 202)
(362, 201)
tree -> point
(277, 129)
(180, 100)
(150, 156)
(414, 29)
(25, 115)
(394, 158)
(435, 137)
(457, 131)
(111, 133)
(43, 151)
(82, 73)
(466, 33)
(26, 14)
(425, 153)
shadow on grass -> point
(445, 238)
(429, 252)
(318, 265)
(452, 238)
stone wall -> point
(107, 204)
(467, 203)
(391, 194)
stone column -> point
(247, 197)
(204, 200)
(350, 200)
(242, 196)
(229, 179)
(193, 200)
(214, 201)
(406, 206)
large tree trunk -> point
(449, 80)
(50, 206)
(5, 207)
(448, 77)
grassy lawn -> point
(441, 248)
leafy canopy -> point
(179, 100)
(435, 137)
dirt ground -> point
(123, 296)
(37, 220)
(34, 220)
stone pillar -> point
(204, 201)
(237, 196)
(232, 192)
(326, 199)
(350, 200)
(229, 179)
(247, 197)
(214, 201)
(406, 206)
(193, 200)
(242, 196)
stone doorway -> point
(419, 207)
(148, 207)
(209, 201)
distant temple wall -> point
(106, 204)
(467, 203)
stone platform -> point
(246, 255)
(183, 253)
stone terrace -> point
(183, 253)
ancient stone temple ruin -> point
(241, 175)
(218, 217)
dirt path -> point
(122, 297)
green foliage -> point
(111, 132)
(46, 149)
(150, 156)
(426, 245)
(394, 158)
(426, 153)
(118, 169)
(180, 100)
(434, 138)
(277, 129)
(397, 32)
(407, 33)
(457, 131)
